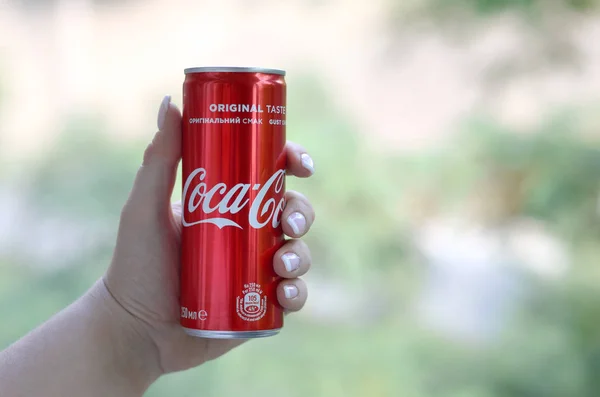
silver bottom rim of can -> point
(231, 334)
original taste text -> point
(245, 108)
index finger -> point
(299, 163)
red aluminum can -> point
(233, 197)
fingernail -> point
(290, 291)
(162, 112)
(307, 162)
(291, 261)
(297, 222)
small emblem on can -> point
(251, 305)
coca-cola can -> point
(233, 197)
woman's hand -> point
(143, 277)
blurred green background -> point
(457, 244)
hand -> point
(143, 277)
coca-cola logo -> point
(220, 200)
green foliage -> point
(547, 173)
(525, 7)
(84, 173)
(492, 6)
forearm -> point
(91, 348)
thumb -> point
(156, 177)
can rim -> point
(233, 69)
(231, 334)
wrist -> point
(133, 353)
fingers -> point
(292, 294)
(298, 215)
(155, 179)
(299, 163)
(292, 260)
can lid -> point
(233, 69)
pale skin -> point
(124, 333)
